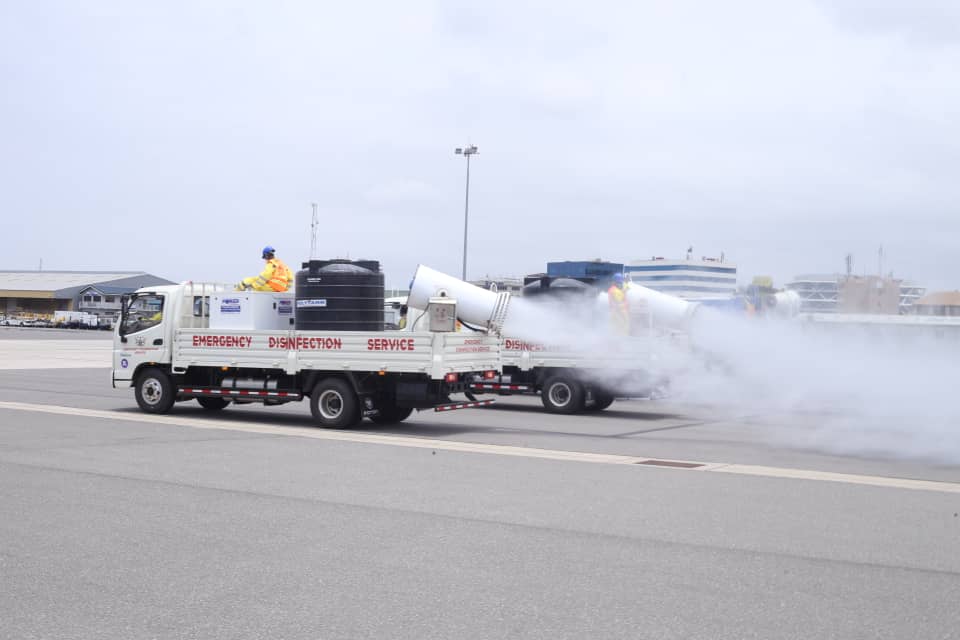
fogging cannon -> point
(665, 310)
(434, 292)
(784, 304)
(488, 310)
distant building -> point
(500, 284)
(691, 278)
(818, 293)
(868, 294)
(940, 303)
(599, 269)
(910, 292)
(836, 293)
(41, 293)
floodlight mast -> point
(466, 152)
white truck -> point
(573, 378)
(170, 347)
(584, 370)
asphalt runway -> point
(493, 523)
(39, 333)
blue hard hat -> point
(267, 250)
(618, 278)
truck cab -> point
(142, 337)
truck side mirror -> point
(121, 321)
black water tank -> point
(340, 295)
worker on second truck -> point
(619, 306)
(276, 276)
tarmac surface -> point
(503, 522)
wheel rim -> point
(331, 404)
(152, 391)
(560, 394)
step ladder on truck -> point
(218, 346)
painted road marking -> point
(496, 449)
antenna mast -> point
(314, 225)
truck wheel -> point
(392, 415)
(601, 400)
(561, 394)
(154, 391)
(334, 404)
(213, 404)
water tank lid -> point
(321, 265)
(344, 268)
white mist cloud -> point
(877, 391)
(883, 391)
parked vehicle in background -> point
(75, 320)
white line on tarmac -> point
(495, 449)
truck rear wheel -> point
(154, 391)
(392, 415)
(334, 404)
(601, 400)
(561, 394)
(213, 404)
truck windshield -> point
(143, 311)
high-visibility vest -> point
(618, 299)
(619, 311)
(280, 278)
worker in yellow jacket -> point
(276, 276)
(619, 306)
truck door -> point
(141, 335)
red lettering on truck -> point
(518, 345)
(512, 344)
(228, 342)
(390, 344)
(305, 343)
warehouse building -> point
(41, 293)
(940, 303)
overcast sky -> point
(180, 137)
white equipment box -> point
(252, 310)
(443, 314)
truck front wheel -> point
(154, 391)
(561, 394)
(334, 404)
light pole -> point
(466, 152)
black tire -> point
(154, 391)
(561, 394)
(392, 415)
(601, 400)
(334, 404)
(211, 403)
